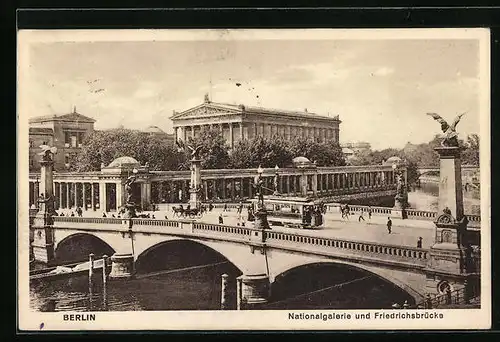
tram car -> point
(292, 212)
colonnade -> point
(235, 188)
(102, 195)
(236, 131)
(108, 193)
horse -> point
(179, 212)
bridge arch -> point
(77, 247)
(209, 251)
(401, 279)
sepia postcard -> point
(309, 179)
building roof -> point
(211, 108)
(347, 150)
(123, 161)
(154, 129)
(41, 130)
(65, 117)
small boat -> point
(65, 270)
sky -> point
(381, 89)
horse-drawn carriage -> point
(188, 211)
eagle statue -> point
(47, 152)
(449, 133)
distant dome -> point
(124, 161)
(393, 159)
(154, 129)
(300, 160)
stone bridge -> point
(260, 255)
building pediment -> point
(203, 111)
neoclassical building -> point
(66, 132)
(237, 122)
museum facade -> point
(240, 122)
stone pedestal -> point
(43, 235)
(195, 184)
(122, 266)
(129, 211)
(446, 267)
(252, 291)
(261, 219)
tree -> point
(213, 153)
(102, 147)
(470, 156)
(261, 151)
(322, 153)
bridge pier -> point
(122, 266)
(252, 291)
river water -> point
(173, 279)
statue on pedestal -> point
(449, 133)
(258, 190)
(128, 188)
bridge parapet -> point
(370, 251)
(91, 223)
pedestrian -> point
(389, 225)
(419, 242)
(104, 214)
(361, 216)
(72, 214)
(166, 218)
(370, 213)
(221, 220)
(225, 207)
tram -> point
(292, 212)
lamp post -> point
(261, 212)
(276, 175)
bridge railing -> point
(405, 254)
(89, 223)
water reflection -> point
(426, 198)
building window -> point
(66, 159)
(31, 143)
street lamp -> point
(260, 170)
(276, 168)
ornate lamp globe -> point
(276, 168)
(135, 171)
(260, 170)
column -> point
(84, 195)
(192, 132)
(119, 195)
(231, 143)
(315, 185)
(241, 188)
(68, 203)
(102, 196)
(75, 195)
(61, 195)
(241, 131)
(92, 196)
